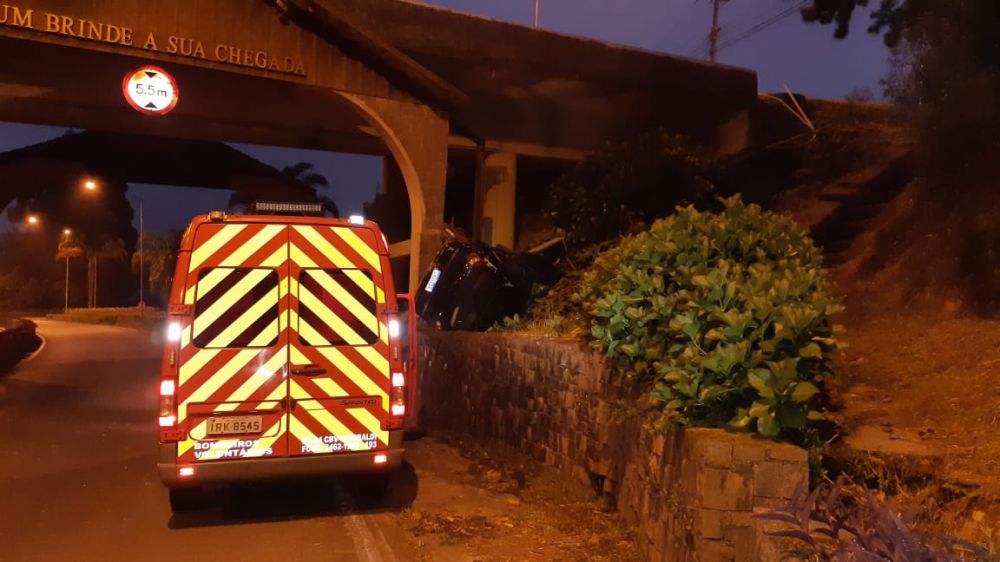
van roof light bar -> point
(287, 208)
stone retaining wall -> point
(692, 493)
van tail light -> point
(398, 332)
(397, 396)
(174, 331)
(168, 406)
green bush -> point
(627, 185)
(727, 314)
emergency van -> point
(284, 354)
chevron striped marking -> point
(360, 246)
(222, 235)
(331, 313)
(239, 310)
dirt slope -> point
(917, 392)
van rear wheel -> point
(376, 485)
(185, 499)
(371, 488)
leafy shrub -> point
(727, 313)
(554, 310)
(627, 184)
(834, 522)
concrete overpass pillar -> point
(499, 199)
(417, 137)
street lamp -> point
(91, 184)
(66, 234)
(33, 219)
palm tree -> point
(69, 247)
(302, 174)
(112, 249)
(159, 259)
(305, 173)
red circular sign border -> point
(143, 110)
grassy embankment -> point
(149, 319)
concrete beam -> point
(458, 142)
(399, 249)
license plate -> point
(435, 275)
(231, 425)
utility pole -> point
(714, 34)
(536, 14)
(66, 296)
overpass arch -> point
(417, 139)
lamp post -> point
(67, 233)
(91, 185)
(142, 262)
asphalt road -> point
(78, 475)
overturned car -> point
(472, 285)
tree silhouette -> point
(890, 17)
(159, 258)
(108, 248)
(69, 248)
(305, 173)
(302, 174)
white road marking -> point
(367, 545)
(37, 351)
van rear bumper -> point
(249, 470)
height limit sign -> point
(150, 90)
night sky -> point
(783, 51)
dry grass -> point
(528, 513)
(149, 319)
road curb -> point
(37, 351)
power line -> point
(726, 40)
(701, 49)
(757, 28)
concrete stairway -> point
(854, 201)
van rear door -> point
(339, 371)
(232, 390)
